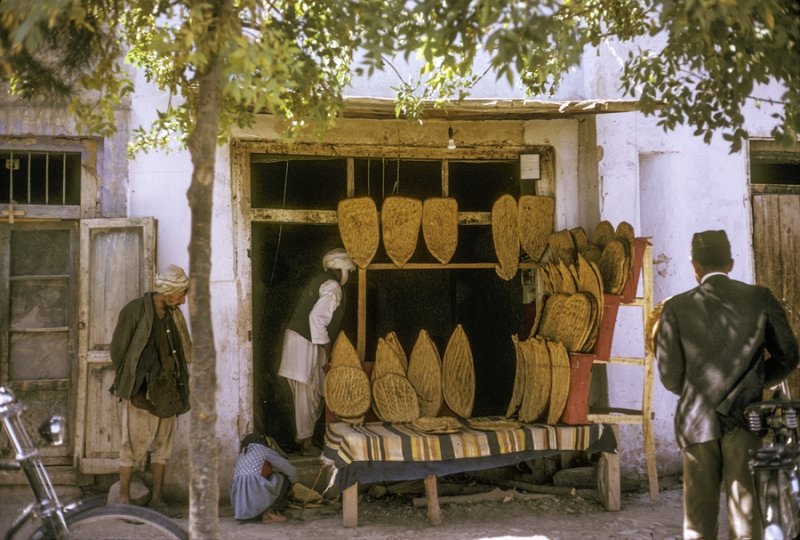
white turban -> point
(338, 259)
(173, 281)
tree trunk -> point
(204, 488)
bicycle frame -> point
(777, 462)
(47, 506)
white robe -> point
(302, 361)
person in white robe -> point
(312, 328)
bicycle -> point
(47, 517)
(774, 466)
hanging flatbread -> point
(562, 247)
(505, 234)
(400, 221)
(395, 399)
(394, 341)
(386, 361)
(358, 227)
(559, 389)
(458, 374)
(440, 227)
(425, 375)
(519, 380)
(347, 391)
(612, 267)
(343, 353)
(603, 234)
(535, 218)
(538, 384)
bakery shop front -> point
(483, 264)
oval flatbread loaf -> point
(505, 234)
(343, 353)
(386, 361)
(394, 341)
(536, 215)
(519, 380)
(440, 227)
(400, 221)
(603, 234)
(347, 391)
(425, 375)
(559, 389)
(562, 246)
(612, 267)
(395, 399)
(538, 384)
(440, 424)
(458, 374)
(358, 226)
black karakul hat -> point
(711, 247)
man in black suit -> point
(710, 345)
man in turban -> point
(150, 349)
(710, 344)
(313, 325)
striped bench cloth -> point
(381, 451)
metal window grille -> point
(45, 178)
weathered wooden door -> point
(117, 265)
(38, 359)
(776, 243)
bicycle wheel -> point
(120, 521)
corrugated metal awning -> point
(489, 109)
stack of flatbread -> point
(541, 382)
(347, 388)
(393, 396)
(571, 306)
(611, 249)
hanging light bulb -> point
(451, 142)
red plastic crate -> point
(637, 257)
(602, 347)
(580, 379)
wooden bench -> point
(385, 452)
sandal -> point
(272, 517)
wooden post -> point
(350, 506)
(608, 478)
(431, 492)
(361, 331)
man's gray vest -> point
(305, 303)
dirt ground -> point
(394, 517)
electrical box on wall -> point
(529, 167)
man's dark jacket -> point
(710, 348)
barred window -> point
(40, 178)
